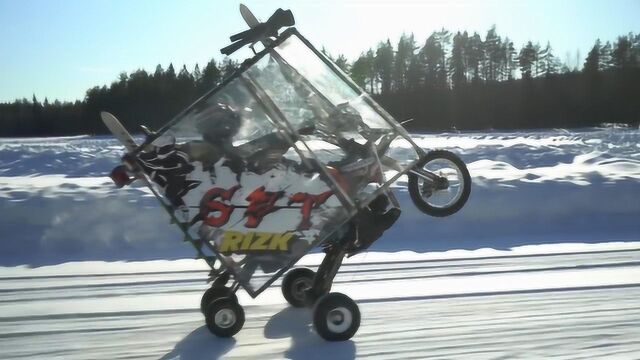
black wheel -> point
(336, 317)
(224, 317)
(447, 194)
(295, 285)
(213, 293)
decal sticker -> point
(242, 243)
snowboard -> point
(118, 130)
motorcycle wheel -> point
(444, 197)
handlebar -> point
(278, 20)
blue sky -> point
(60, 48)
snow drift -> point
(551, 186)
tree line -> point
(464, 81)
(460, 81)
(136, 98)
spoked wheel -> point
(448, 191)
(216, 292)
(336, 317)
(224, 317)
(295, 285)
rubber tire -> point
(214, 293)
(414, 190)
(321, 311)
(290, 281)
(224, 304)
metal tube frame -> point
(285, 127)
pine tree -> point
(211, 76)
(444, 38)
(170, 74)
(184, 75)
(401, 62)
(123, 78)
(541, 58)
(36, 108)
(538, 64)
(499, 61)
(475, 56)
(384, 65)
(197, 74)
(457, 66)
(342, 63)
(493, 51)
(359, 71)
(621, 56)
(526, 60)
(550, 62)
(159, 72)
(326, 53)
(229, 66)
(510, 59)
(415, 73)
(432, 54)
(635, 50)
(592, 63)
(605, 57)
(372, 75)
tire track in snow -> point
(572, 260)
(537, 307)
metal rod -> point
(282, 123)
(359, 91)
(427, 175)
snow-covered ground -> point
(542, 262)
(536, 302)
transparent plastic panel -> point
(233, 179)
(298, 105)
(358, 162)
(326, 82)
(349, 136)
(270, 165)
(231, 115)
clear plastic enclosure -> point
(274, 162)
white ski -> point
(118, 130)
(248, 16)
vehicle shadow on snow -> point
(199, 344)
(305, 343)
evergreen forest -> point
(449, 81)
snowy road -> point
(565, 305)
(554, 186)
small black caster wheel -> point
(213, 293)
(336, 317)
(224, 317)
(295, 284)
